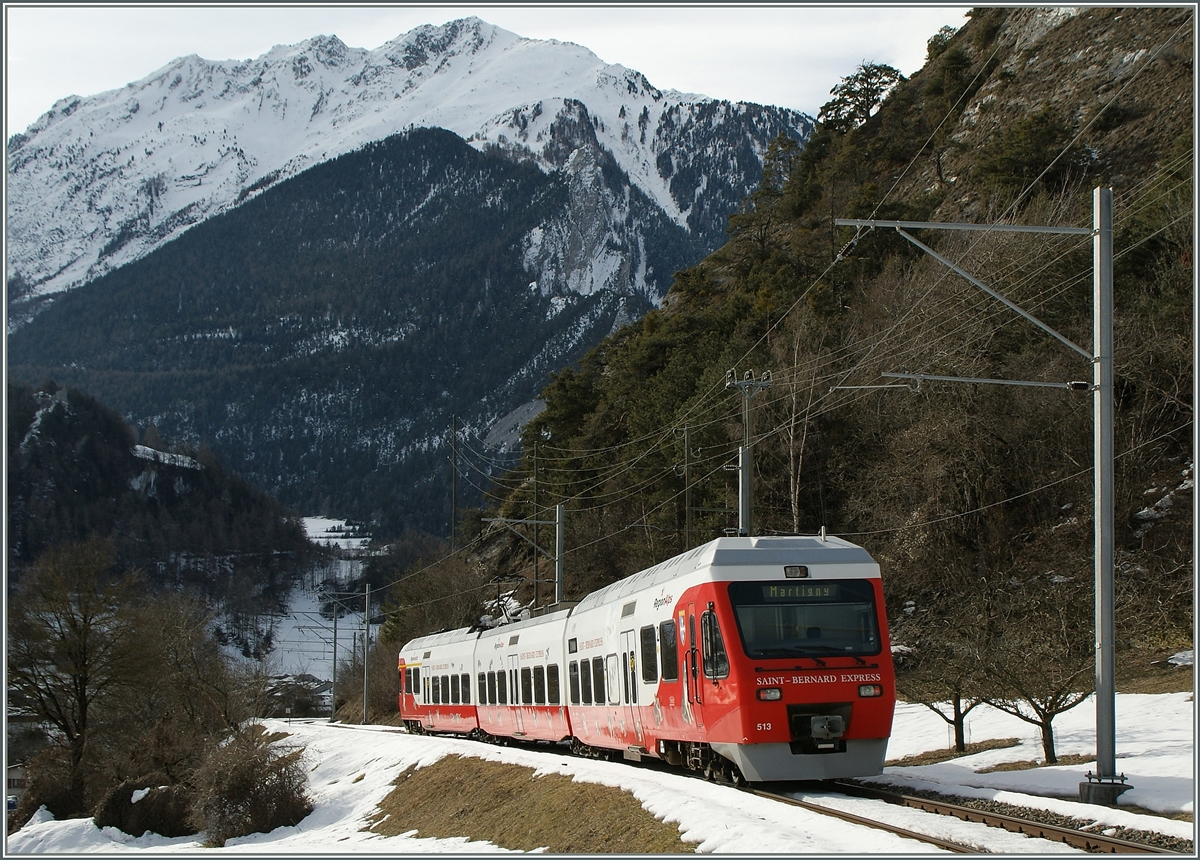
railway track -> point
(956, 847)
(1085, 840)
(1092, 842)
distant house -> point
(16, 780)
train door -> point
(410, 683)
(514, 693)
(629, 681)
(693, 677)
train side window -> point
(649, 656)
(716, 660)
(427, 699)
(614, 676)
(553, 696)
(526, 686)
(465, 686)
(573, 681)
(437, 690)
(598, 690)
(491, 688)
(669, 646)
(483, 688)
(454, 699)
(539, 685)
(585, 680)
(501, 692)
(416, 681)
(406, 681)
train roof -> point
(472, 633)
(441, 638)
(521, 624)
(735, 552)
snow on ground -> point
(331, 532)
(352, 768)
(304, 638)
(1155, 752)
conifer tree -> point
(857, 96)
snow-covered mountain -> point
(462, 208)
(103, 180)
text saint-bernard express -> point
(827, 678)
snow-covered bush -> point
(251, 784)
(147, 804)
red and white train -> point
(747, 658)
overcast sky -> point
(786, 55)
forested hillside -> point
(78, 471)
(321, 336)
(975, 498)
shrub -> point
(162, 809)
(250, 785)
(1036, 146)
(48, 784)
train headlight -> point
(770, 694)
(870, 691)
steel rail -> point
(850, 817)
(1093, 842)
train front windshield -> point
(814, 618)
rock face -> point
(288, 260)
(100, 181)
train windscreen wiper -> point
(794, 651)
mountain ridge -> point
(321, 336)
(102, 180)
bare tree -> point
(73, 647)
(186, 695)
(1039, 655)
(941, 663)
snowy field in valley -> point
(327, 531)
(352, 768)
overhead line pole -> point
(559, 542)
(747, 387)
(1105, 785)
(687, 484)
(536, 556)
(1105, 488)
(366, 650)
(453, 479)
(333, 685)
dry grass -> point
(510, 807)
(1158, 679)
(1030, 765)
(938, 756)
